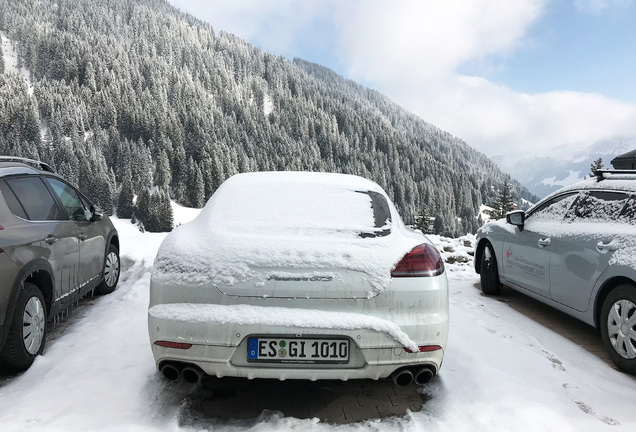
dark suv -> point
(55, 247)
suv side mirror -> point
(516, 218)
(96, 214)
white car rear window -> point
(303, 209)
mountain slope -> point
(135, 89)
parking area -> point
(570, 328)
(337, 402)
(352, 401)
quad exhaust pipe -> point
(191, 374)
(174, 371)
(402, 377)
(422, 375)
(419, 375)
(171, 371)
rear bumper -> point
(221, 350)
(416, 307)
(226, 361)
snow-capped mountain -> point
(566, 165)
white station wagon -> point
(295, 275)
(575, 251)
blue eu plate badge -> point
(252, 349)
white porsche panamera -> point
(295, 275)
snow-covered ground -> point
(181, 214)
(501, 372)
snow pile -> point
(182, 215)
(485, 212)
(454, 250)
(285, 220)
(278, 316)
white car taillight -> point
(423, 261)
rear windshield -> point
(304, 209)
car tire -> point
(27, 333)
(489, 273)
(618, 327)
(112, 269)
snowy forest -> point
(133, 97)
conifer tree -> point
(423, 221)
(504, 203)
(163, 176)
(196, 187)
(596, 165)
(164, 212)
(142, 206)
(439, 225)
(125, 202)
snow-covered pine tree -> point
(504, 203)
(164, 212)
(125, 205)
(163, 176)
(596, 165)
(142, 206)
(423, 221)
(151, 224)
(196, 187)
(439, 225)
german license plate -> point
(298, 350)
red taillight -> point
(177, 345)
(424, 260)
(425, 348)
(1, 227)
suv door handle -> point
(544, 242)
(604, 248)
(50, 239)
(82, 236)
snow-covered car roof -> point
(287, 220)
(617, 182)
(611, 182)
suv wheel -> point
(112, 268)
(618, 327)
(489, 273)
(27, 333)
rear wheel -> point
(618, 327)
(489, 273)
(112, 269)
(27, 333)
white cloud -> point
(273, 25)
(595, 7)
(412, 51)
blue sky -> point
(568, 49)
(516, 77)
